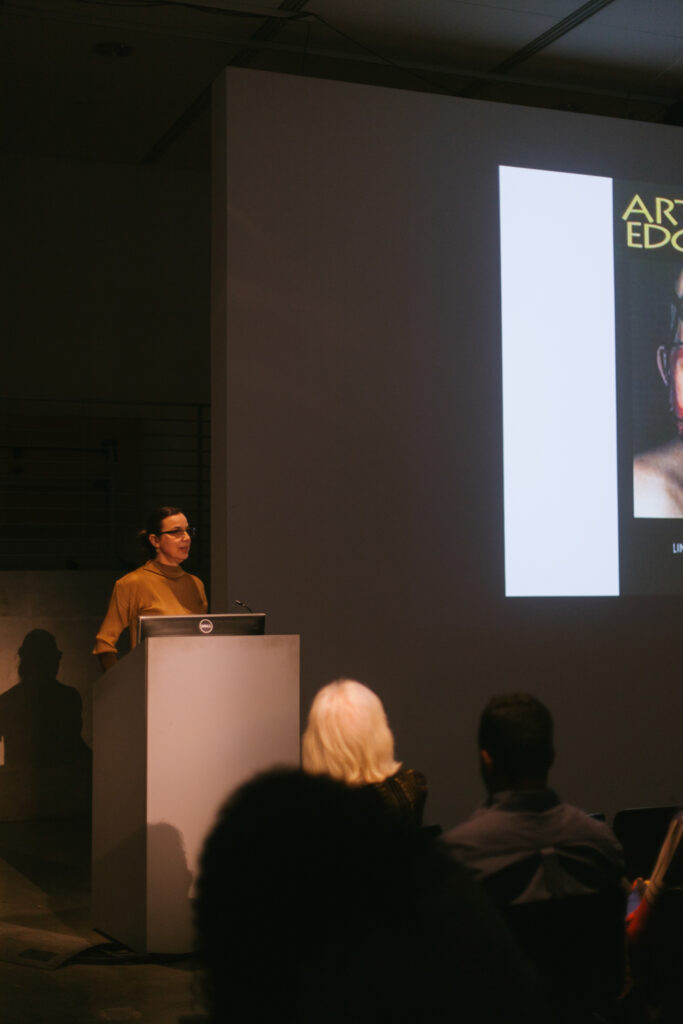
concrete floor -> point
(48, 949)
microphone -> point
(243, 605)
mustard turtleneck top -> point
(153, 589)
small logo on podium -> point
(205, 626)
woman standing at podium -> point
(159, 587)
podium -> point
(178, 724)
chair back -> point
(577, 945)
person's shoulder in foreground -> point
(340, 912)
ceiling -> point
(127, 81)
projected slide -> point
(592, 358)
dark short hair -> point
(153, 525)
(517, 731)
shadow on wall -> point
(48, 766)
(169, 889)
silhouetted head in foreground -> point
(315, 904)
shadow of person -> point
(141, 893)
(48, 765)
(170, 925)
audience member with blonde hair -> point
(348, 738)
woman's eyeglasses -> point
(189, 530)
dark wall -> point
(105, 299)
(357, 288)
(106, 289)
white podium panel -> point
(178, 724)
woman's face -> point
(172, 544)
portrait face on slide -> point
(658, 473)
(675, 374)
(670, 360)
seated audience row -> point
(319, 899)
(318, 905)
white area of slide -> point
(559, 385)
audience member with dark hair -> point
(555, 872)
(317, 905)
(348, 738)
(159, 587)
(524, 844)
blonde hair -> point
(348, 736)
